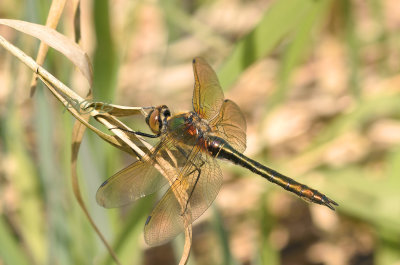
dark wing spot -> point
(104, 183)
(194, 60)
(148, 219)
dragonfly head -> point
(157, 118)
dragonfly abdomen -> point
(221, 149)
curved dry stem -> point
(77, 136)
(188, 245)
(53, 18)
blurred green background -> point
(318, 82)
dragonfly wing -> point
(230, 125)
(137, 180)
(197, 186)
(207, 95)
(131, 183)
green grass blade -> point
(227, 256)
(266, 253)
(298, 48)
(53, 183)
(10, 250)
(353, 47)
(280, 19)
(105, 63)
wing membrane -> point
(198, 185)
(140, 178)
(207, 95)
(131, 183)
(230, 125)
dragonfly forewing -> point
(134, 182)
(142, 177)
(207, 95)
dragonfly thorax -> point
(196, 126)
(188, 128)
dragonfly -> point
(192, 143)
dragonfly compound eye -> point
(153, 120)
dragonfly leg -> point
(137, 133)
(198, 169)
(194, 186)
(146, 108)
